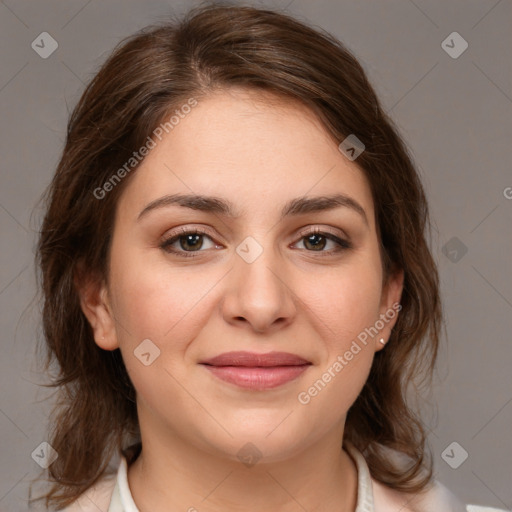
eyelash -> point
(167, 242)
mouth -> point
(255, 371)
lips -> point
(253, 359)
(255, 371)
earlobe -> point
(95, 304)
(392, 292)
(390, 307)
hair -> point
(149, 75)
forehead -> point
(256, 149)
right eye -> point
(189, 240)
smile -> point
(257, 371)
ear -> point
(96, 306)
(390, 306)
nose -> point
(258, 295)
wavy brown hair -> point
(147, 77)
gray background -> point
(455, 115)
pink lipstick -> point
(255, 371)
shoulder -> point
(96, 498)
(480, 508)
(437, 498)
(434, 498)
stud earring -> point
(382, 341)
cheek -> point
(325, 400)
(345, 302)
(167, 307)
(156, 301)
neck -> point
(173, 474)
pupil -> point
(309, 240)
(191, 237)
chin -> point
(266, 440)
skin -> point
(258, 152)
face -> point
(274, 273)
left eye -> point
(318, 241)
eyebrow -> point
(298, 206)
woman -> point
(238, 286)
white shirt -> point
(112, 494)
